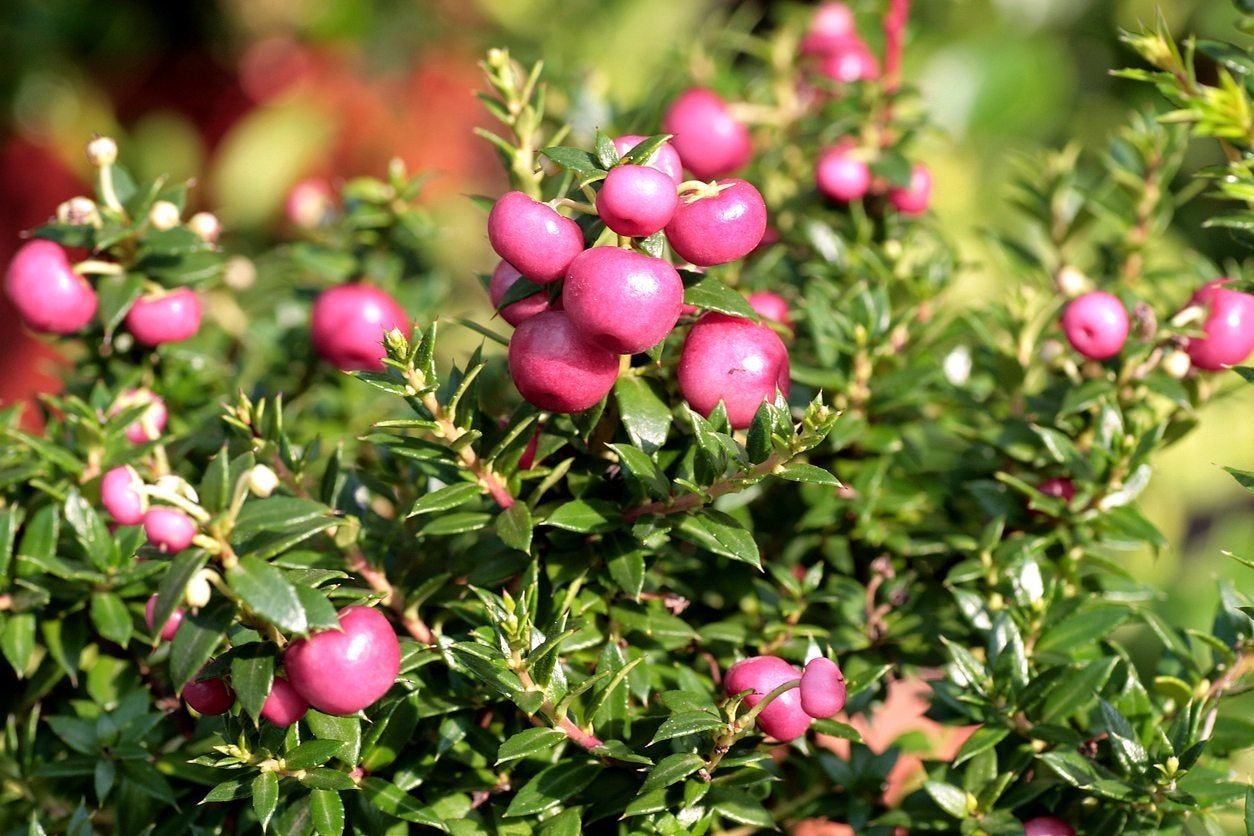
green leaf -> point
(111, 618)
(551, 786)
(198, 637)
(1244, 477)
(527, 743)
(18, 641)
(672, 768)
(326, 809)
(1077, 689)
(802, 472)
(640, 153)
(1123, 740)
(390, 733)
(607, 154)
(1092, 622)
(117, 294)
(708, 293)
(312, 753)
(644, 411)
(741, 808)
(252, 676)
(265, 791)
(513, 526)
(327, 779)
(444, 499)
(625, 561)
(585, 516)
(230, 790)
(347, 730)
(643, 470)
(985, 738)
(446, 525)
(183, 567)
(320, 612)
(574, 159)
(394, 801)
(565, 823)
(42, 530)
(90, 531)
(10, 521)
(833, 728)
(267, 593)
(687, 722)
(949, 798)
(721, 534)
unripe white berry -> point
(102, 151)
(262, 480)
(1177, 364)
(206, 225)
(163, 215)
(1071, 282)
(80, 211)
(239, 273)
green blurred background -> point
(249, 96)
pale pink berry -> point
(172, 623)
(122, 494)
(710, 229)
(555, 368)
(533, 237)
(848, 60)
(770, 306)
(169, 529)
(831, 26)
(515, 313)
(822, 688)
(151, 423)
(284, 705)
(737, 361)
(622, 301)
(1096, 324)
(1047, 826)
(343, 671)
(665, 159)
(1229, 327)
(784, 719)
(842, 174)
(48, 295)
(636, 200)
(914, 198)
(710, 141)
(348, 324)
(170, 317)
(308, 203)
(209, 696)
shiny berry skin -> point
(770, 306)
(710, 141)
(735, 360)
(1047, 826)
(48, 295)
(665, 159)
(533, 237)
(284, 705)
(1059, 487)
(718, 228)
(784, 719)
(343, 671)
(848, 61)
(169, 318)
(822, 688)
(917, 196)
(841, 175)
(515, 313)
(122, 495)
(555, 368)
(169, 529)
(151, 423)
(209, 696)
(622, 301)
(1229, 327)
(831, 26)
(636, 200)
(172, 623)
(1096, 324)
(348, 323)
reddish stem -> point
(894, 38)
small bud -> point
(395, 342)
(1177, 364)
(199, 589)
(80, 211)
(206, 225)
(102, 151)
(163, 215)
(1071, 282)
(177, 486)
(262, 481)
(239, 273)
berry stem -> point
(894, 39)
(561, 720)
(96, 267)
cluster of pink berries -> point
(821, 694)
(838, 51)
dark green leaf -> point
(644, 411)
(672, 768)
(708, 293)
(551, 786)
(513, 526)
(527, 743)
(267, 593)
(265, 791)
(197, 638)
(326, 808)
(252, 676)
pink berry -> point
(665, 159)
(1060, 487)
(622, 301)
(209, 696)
(710, 141)
(1047, 826)
(914, 198)
(718, 228)
(849, 60)
(770, 306)
(49, 296)
(733, 360)
(841, 174)
(151, 423)
(122, 494)
(171, 625)
(822, 688)
(831, 26)
(169, 529)
(169, 318)
(284, 705)
(1096, 324)
(503, 278)
(348, 324)
(531, 236)
(1229, 327)
(784, 719)
(308, 203)
(343, 671)
(636, 200)
(555, 368)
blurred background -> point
(250, 96)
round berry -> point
(1229, 327)
(533, 237)
(841, 174)
(710, 141)
(784, 719)
(733, 360)
(308, 203)
(822, 688)
(151, 423)
(48, 295)
(169, 318)
(770, 306)
(849, 60)
(1059, 487)
(622, 301)
(172, 623)
(555, 368)
(122, 494)
(831, 26)
(636, 200)
(665, 159)
(914, 198)
(209, 696)
(1096, 324)
(710, 228)
(206, 226)
(1047, 826)
(515, 313)
(343, 671)
(169, 529)
(348, 324)
(284, 705)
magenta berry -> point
(555, 368)
(209, 696)
(665, 159)
(831, 26)
(1047, 826)
(49, 296)
(841, 174)
(914, 198)
(636, 200)
(284, 705)
(151, 422)
(531, 236)
(1059, 487)
(172, 623)
(849, 60)
(733, 360)
(169, 529)
(1096, 325)
(784, 719)
(515, 313)
(343, 671)
(622, 301)
(770, 306)
(122, 494)
(822, 688)
(169, 318)
(710, 141)
(348, 324)
(717, 228)
(1229, 327)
